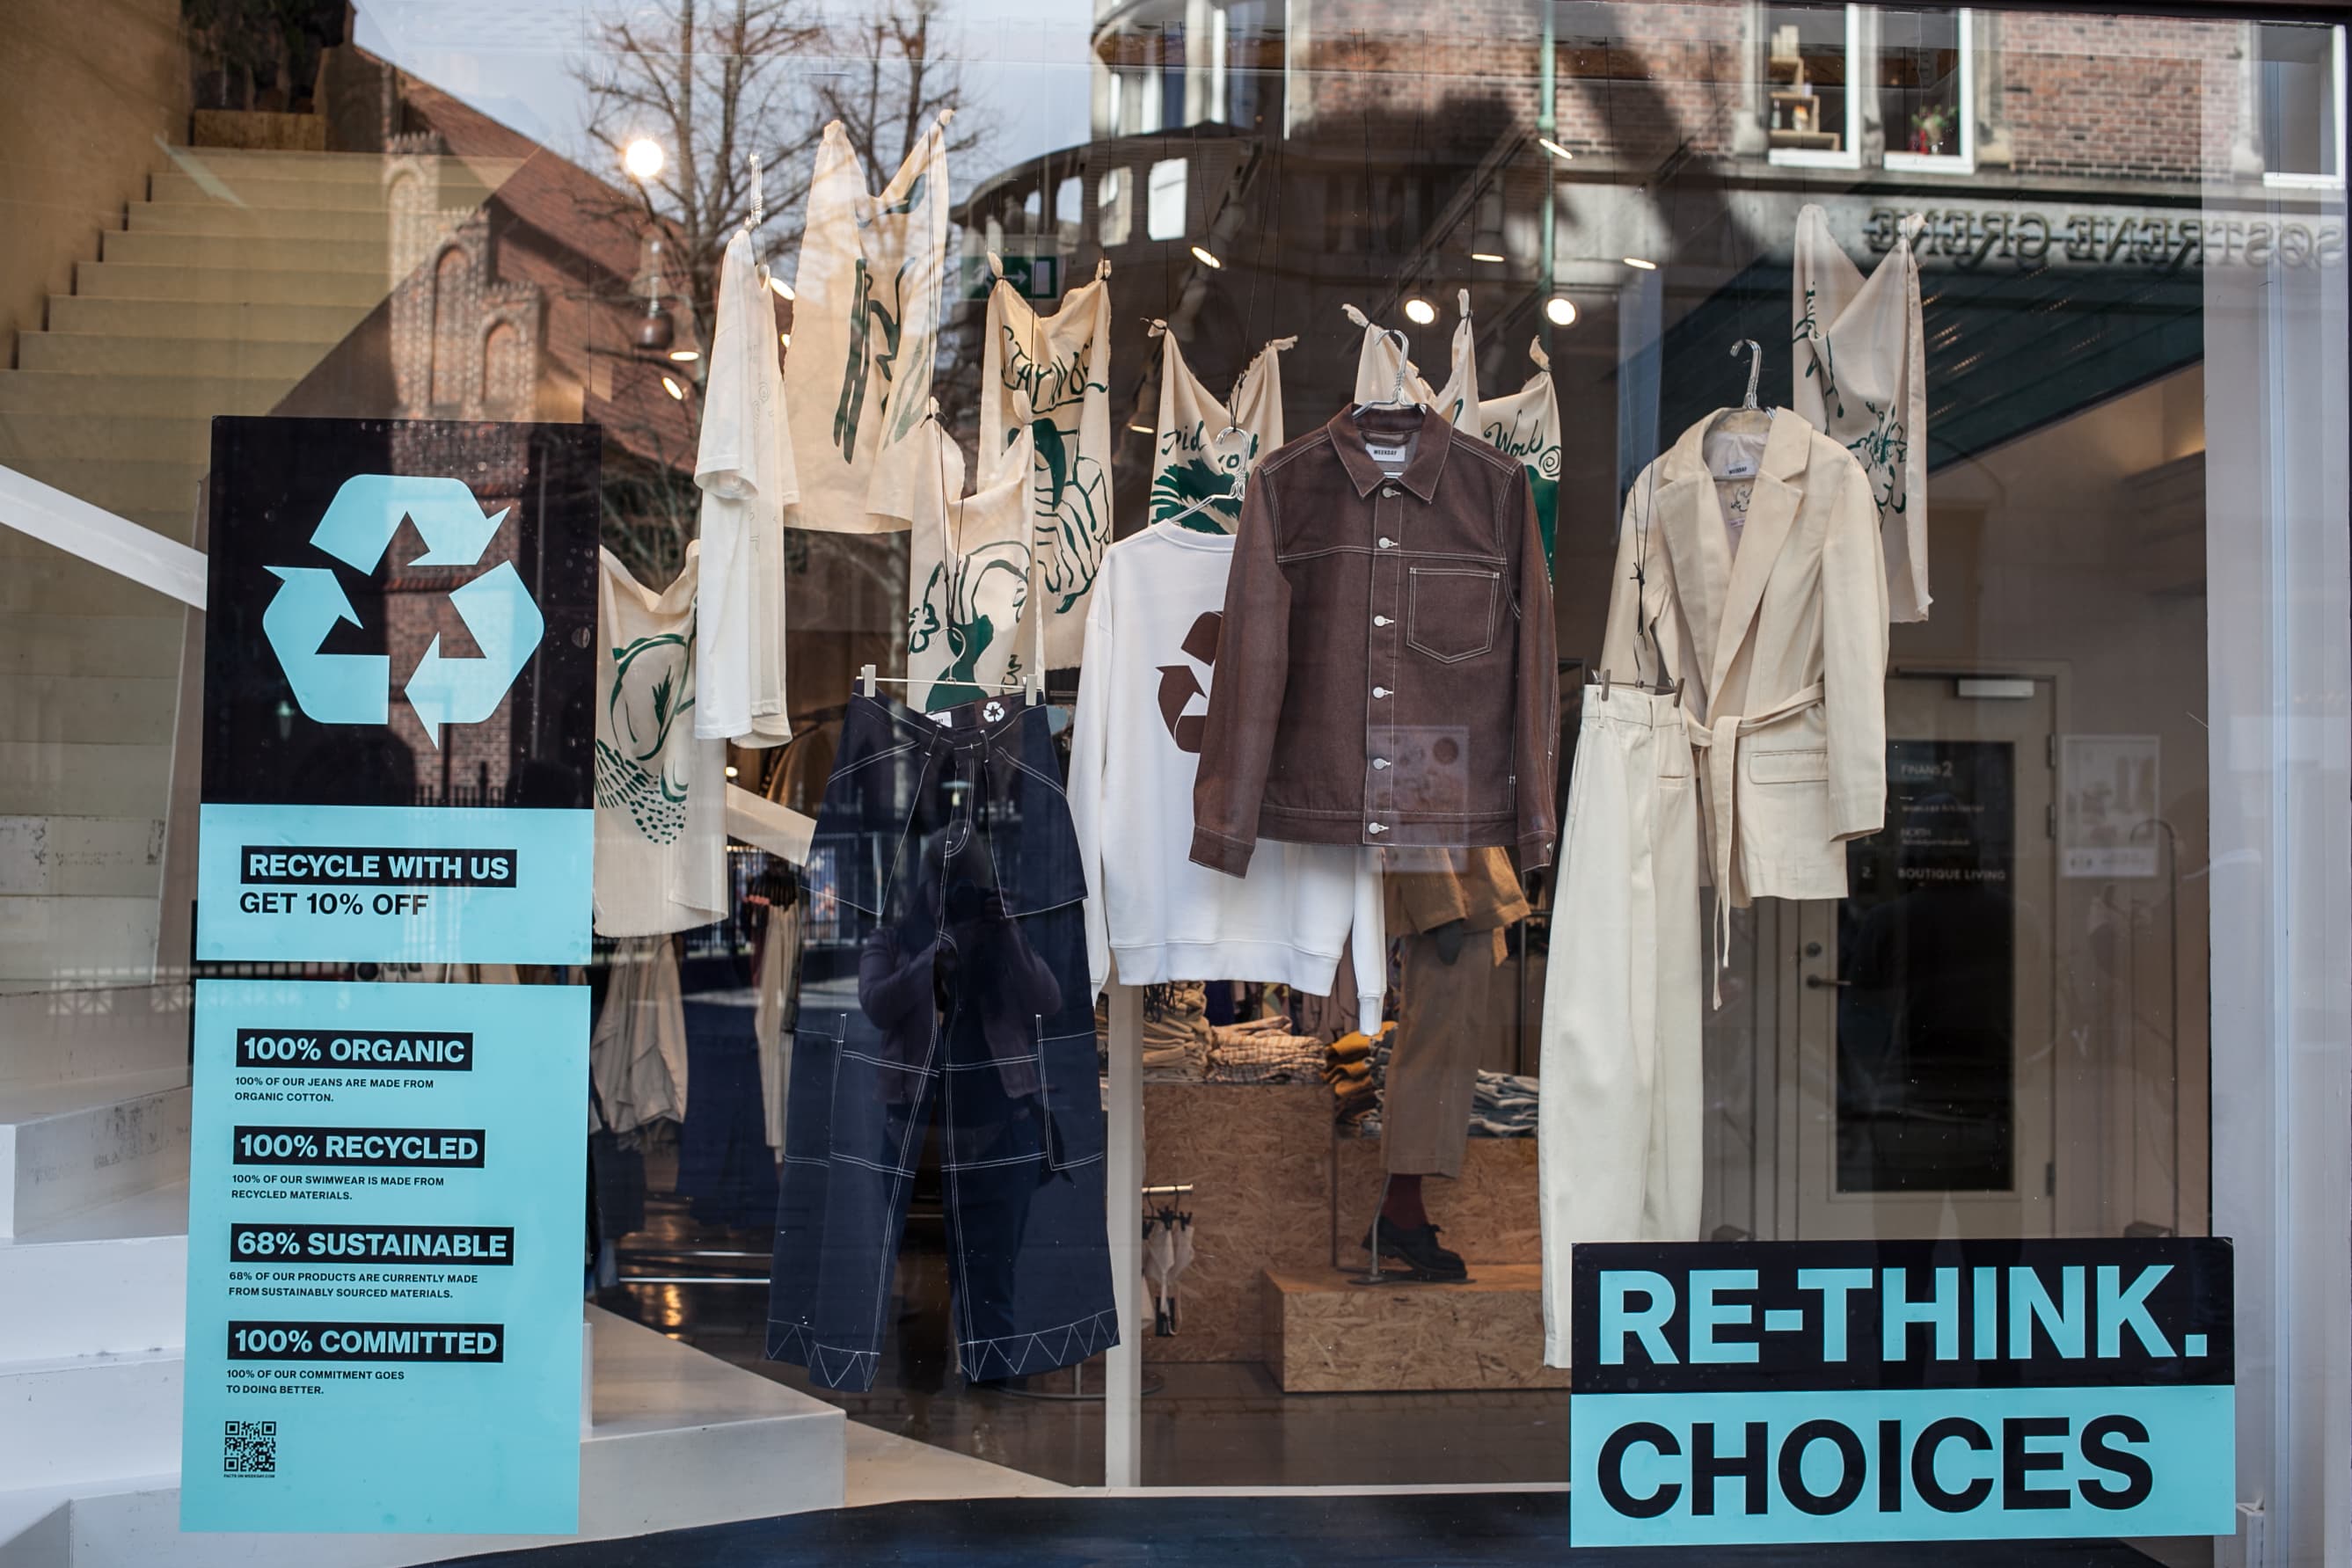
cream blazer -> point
(1781, 646)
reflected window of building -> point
(1811, 114)
(1925, 78)
(2300, 102)
(1163, 212)
(1070, 202)
(1114, 207)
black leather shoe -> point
(1416, 1247)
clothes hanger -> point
(759, 216)
(1745, 417)
(1396, 398)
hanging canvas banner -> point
(1860, 374)
(1204, 449)
(661, 806)
(967, 579)
(865, 315)
(1526, 424)
(1376, 368)
(1051, 375)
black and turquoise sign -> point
(1795, 1392)
(398, 687)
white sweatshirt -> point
(1152, 636)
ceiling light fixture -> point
(785, 338)
(1639, 265)
(783, 291)
(674, 389)
(1420, 311)
(1142, 430)
(1486, 255)
(731, 770)
(1555, 149)
(684, 356)
(643, 158)
(1560, 310)
(1204, 259)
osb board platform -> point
(1489, 1214)
(1259, 1159)
(1332, 1336)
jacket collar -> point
(1720, 592)
(1428, 431)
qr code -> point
(250, 1449)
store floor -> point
(1491, 1529)
(1204, 1425)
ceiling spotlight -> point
(674, 389)
(1143, 429)
(684, 356)
(1638, 265)
(785, 338)
(1486, 255)
(1204, 259)
(731, 770)
(783, 291)
(1560, 310)
(1554, 147)
(1420, 311)
(643, 158)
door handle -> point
(1823, 983)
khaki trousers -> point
(1618, 1119)
(1432, 1074)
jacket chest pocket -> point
(1450, 611)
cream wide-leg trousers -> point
(1619, 1114)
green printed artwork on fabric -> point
(1194, 494)
(1524, 438)
(1051, 390)
(1823, 363)
(1072, 534)
(863, 359)
(644, 707)
(962, 602)
(1882, 451)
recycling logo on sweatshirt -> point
(1179, 685)
(357, 528)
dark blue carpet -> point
(1487, 1529)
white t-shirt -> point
(745, 469)
(661, 805)
(1143, 695)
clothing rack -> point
(1178, 1189)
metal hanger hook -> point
(1755, 367)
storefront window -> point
(1242, 674)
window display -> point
(1103, 973)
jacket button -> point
(1380, 620)
(1380, 691)
(1375, 828)
(1380, 763)
(1387, 543)
(1389, 491)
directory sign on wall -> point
(387, 1165)
(1754, 1392)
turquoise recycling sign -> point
(387, 1160)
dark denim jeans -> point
(956, 875)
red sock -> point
(1403, 1208)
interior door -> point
(1923, 1061)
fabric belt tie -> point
(1720, 741)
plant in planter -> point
(1932, 127)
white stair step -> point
(74, 943)
(238, 253)
(37, 578)
(54, 1037)
(45, 778)
(89, 354)
(109, 1281)
(27, 437)
(281, 226)
(680, 1440)
(236, 167)
(129, 484)
(79, 857)
(139, 396)
(83, 1419)
(124, 281)
(69, 1147)
(69, 708)
(90, 645)
(265, 323)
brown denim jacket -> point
(1385, 671)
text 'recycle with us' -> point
(1759, 1391)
